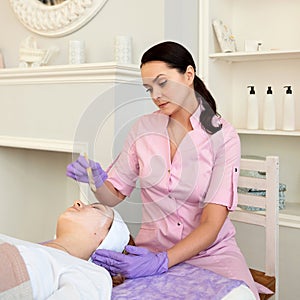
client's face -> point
(92, 221)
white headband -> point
(118, 235)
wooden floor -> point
(267, 281)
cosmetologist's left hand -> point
(139, 262)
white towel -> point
(118, 235)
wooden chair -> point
(268, 171)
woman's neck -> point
(182, 116)
(72, 247)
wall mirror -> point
(55, 18)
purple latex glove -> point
(78, 171)
(139, 262)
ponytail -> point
(209, 109)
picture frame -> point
(224, 36)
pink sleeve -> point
(223, 184)
(125, 170)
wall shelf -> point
(290, 216)
(256, 56)
(96, 72)
(42, 144)
(269, 132)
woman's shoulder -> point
(154, 116)
(227, 135)
(154, 120)
(227, 128)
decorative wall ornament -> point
(123, 49)
(55, 20)
(224, 36)
(30, 55)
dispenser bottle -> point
(252, 112)
(269, 111)
(288, 110)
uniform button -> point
(169, 170)
(178, 224)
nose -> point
(78, 204)
(156, 94)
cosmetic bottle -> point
(269, 112)
(288, 110)
(252, 110)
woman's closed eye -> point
(163, 83)
(149, 90)
(98, 206)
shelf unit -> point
(81, 73)
(269, 132)
(290, 216)
(227, 76)
(257, 56)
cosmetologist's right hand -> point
(78, 171)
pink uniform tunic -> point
(204, 169)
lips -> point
(163, 105)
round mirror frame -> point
(57, 20)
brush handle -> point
(88, 171)
(90, 174)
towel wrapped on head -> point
(116, 239)
(118, 235)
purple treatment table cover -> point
(183, 281)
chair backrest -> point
(258, 198)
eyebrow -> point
(154, 80)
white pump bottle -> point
(269, 121)
(252, 112)
(288, 110)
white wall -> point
(143, 20)
(34, 191)
(52, 111)
(181, 24)
(30, 199)
(147, 23)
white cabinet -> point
(227, 76)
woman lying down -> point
(59, 269)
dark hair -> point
(178, 57)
